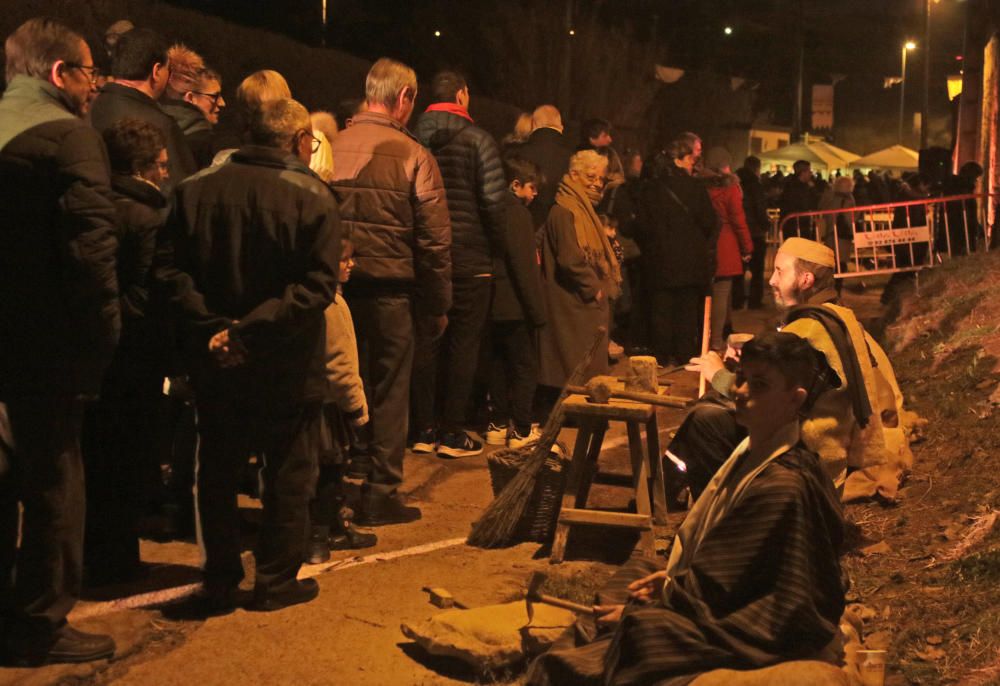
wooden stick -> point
(706, 337)
(650, 398)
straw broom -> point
(497, 524)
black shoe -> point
(390, 510)
(359, 467)
(459, 444)
(67, 645)
(319, 547)
(351, 539)
(425, 441)
(270, 600)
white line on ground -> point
(176, 593)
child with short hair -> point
(517, 311)
(345, 412)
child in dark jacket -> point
(517, 311)
(346, 412)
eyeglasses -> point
(214, 97)
(592, 178)
(316, 143)
(93, 73)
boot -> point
(319, 547)
(343, 535)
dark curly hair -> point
(133, 145)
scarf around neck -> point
(590, 236)
(722, 495)
(450, 108)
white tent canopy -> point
(822, 155)
(895, 157)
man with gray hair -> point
(392, 197)
(547, 147)
(249, 305)
(60, 319)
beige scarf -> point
(723, 493)
(590, 233)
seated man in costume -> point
(753, 577)
(857, 426)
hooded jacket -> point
(59, 310)
(474, 183)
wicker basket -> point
(538, 521)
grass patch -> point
(979, 567)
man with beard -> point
(753, 578)
(857, 425)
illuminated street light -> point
(572, 32)
(437, 34)
(728, 30)
(907, 46)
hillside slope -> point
(930, 590)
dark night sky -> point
(857, 38)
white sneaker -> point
(515, 440)
(495, 435)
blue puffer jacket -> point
(474, 183)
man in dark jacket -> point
(250, 261)
(141, 71)
(755, 208)
(546, 147)
(676, 231)
(59, 324)
(473, 176)
(799, 195)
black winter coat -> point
(676, 230)
(59, 313)
(196, 129)
(754, 203)
(142, 358)
(474, 184)
(116, 102)
(257, 240)
(549, 150)
(517, 280)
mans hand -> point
(708, 364)
(608, 614)
(647, 587)
(228, 352)
(433, 326)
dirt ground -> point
(925, 568)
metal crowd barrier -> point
(893, 237)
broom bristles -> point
(497, 524)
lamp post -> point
(907, 46)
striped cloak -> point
(763, 587)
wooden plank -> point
(577, 470)
(620, 410)
(657, 484)
(625, 520)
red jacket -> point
(734, 238)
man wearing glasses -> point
(193, 98)
(249, 260)
(141, 70)
(60, 320)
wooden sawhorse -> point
(647, 473)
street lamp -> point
(907, 46)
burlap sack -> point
(493, 636)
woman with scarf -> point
(579, 270)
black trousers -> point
(756, 269)
(706, 438)
(675, 322)
(444, 368)
(383, 322)
(513, 373)
(287, 439)
(40, 581)
(121, 465)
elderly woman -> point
(580, 272)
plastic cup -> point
(871, 667)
